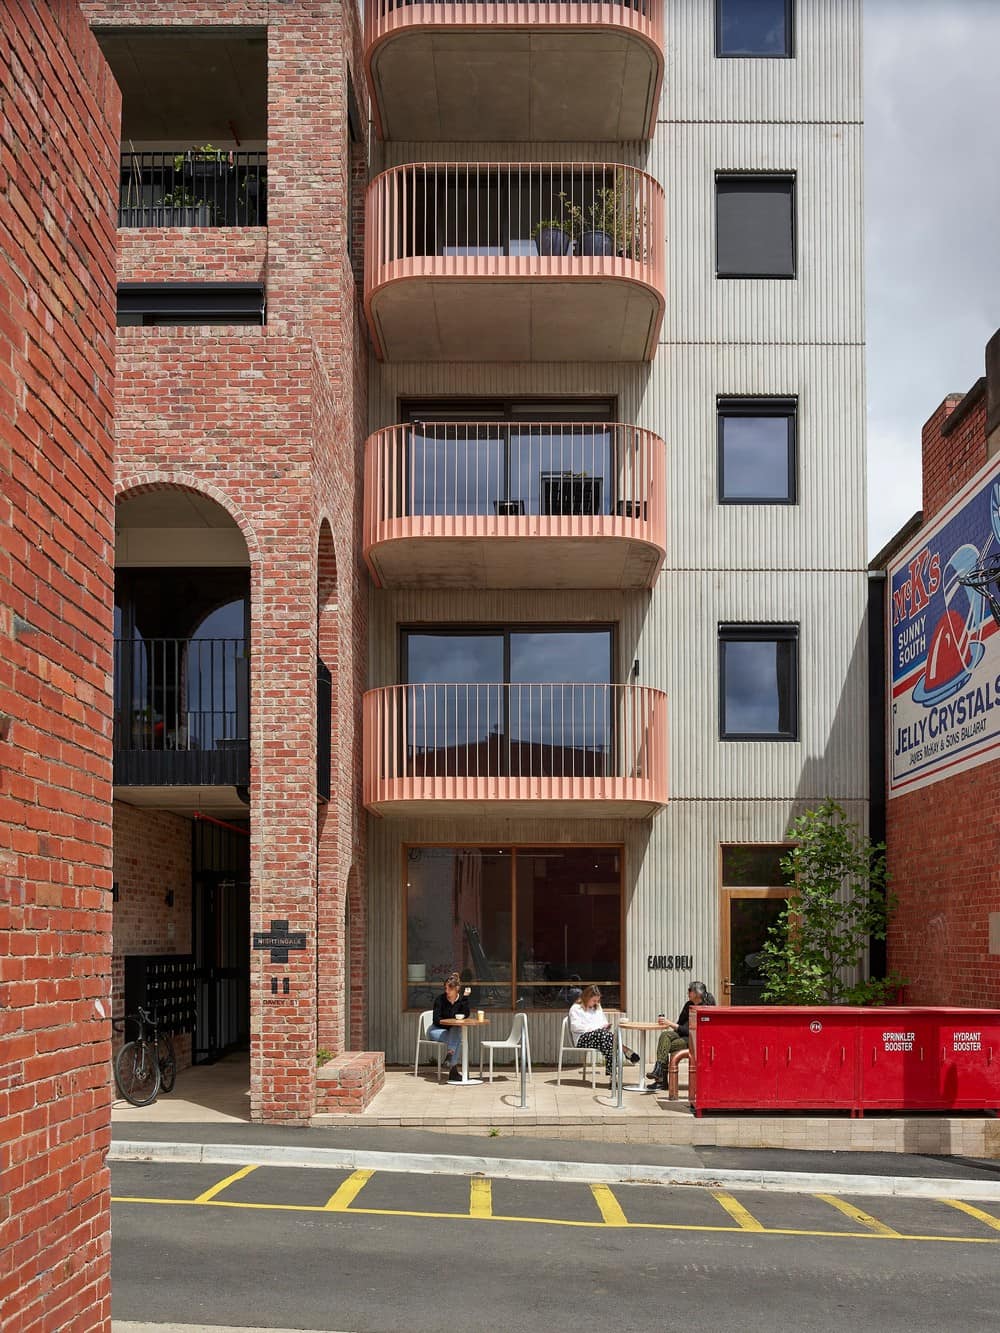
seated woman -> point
(450, 1005)
(677, 1034)
(589, 1026)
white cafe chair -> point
(590, 1055)
(438, 1047)
(512, 1042)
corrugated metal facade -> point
(803, 563)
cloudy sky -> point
(932, 212)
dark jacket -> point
(682, 1022)
(443, 1008)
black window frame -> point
(788, 178)
(525, 409)
(755, 632)
(760, 405)
(504, 630)
(790, 34)
(159, 304)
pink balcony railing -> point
(478, 744)
(549, 483)
(431, 85)
(514, 261)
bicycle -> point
(146, 1065)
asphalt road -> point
(367, 1252)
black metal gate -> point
(221, 941)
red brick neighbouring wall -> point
(944, 840)
(152, 858)
(944, 856)
(58, 196)
(949, 461)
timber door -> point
(753, 894)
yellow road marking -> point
(611, 1209)
(560, 1221)
(209, 1195)
(480, 1197)
(737, 1212)
(856, 1215)
(977, 1213)
(341, 1199)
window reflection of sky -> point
(469, 704)
(752, 689)
(754, 27)
(755, 457)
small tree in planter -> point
(839, 901)
(610, 224)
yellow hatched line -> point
(977, 1213)
(480, 1197)
(210, 1194)
(342, 1198)
(856, 1215)
(561, 1222)
(746, 1220)
(611, 1209)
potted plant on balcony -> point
(198, 183)
(552, 236)
(610, 224)
(182, 208)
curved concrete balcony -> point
(514, 505)
(554, 749)
(521, 261)
(561, 71)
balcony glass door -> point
(525, 702)
(560, 716)
(458, 468)
(455, 703)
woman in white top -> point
(590, 1027)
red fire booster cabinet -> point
(847, 1059)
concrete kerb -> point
(596, 1173)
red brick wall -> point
(943, 840)
(57, 241)
(949, 461)
(943, 856)
(187, 254)
(152, 856)
(271, 424)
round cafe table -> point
(631, 1025)
(465, 1024)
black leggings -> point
(603, 1041)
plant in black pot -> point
(609, 224)
(182, 208)
(206, 173)
(552, 236)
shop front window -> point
(524, 926)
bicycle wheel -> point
(137, 1073)
(167, 1063)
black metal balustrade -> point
(204, 187)
(181, 714)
